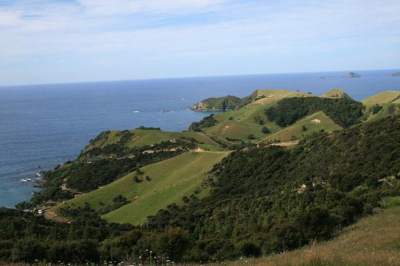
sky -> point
(56, 41)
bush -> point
(265, 130)
(250, 250)
(207, 121)
(376, 108)
(251, 137)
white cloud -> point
(10, 18)
(124, 7)
(159, 31)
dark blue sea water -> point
(44, 125)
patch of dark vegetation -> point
(265, 130)
(343, 111)
(376, 108)
(29, 238)
(207, 121)
(117, 203)
(149, 128)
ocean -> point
(44, 125)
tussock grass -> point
(373, 241)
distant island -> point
(353, 75)
(396, 74)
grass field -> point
(170, 180)
(304, 127)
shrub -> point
(250, 250)
(265, 130)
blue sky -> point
(47, 41)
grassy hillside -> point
(374, 240)
(170, 180)
(309, 125)
(382, 98)
(335, 93)
(143, 137)
(250, 119)
(377, 112)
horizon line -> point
(188, 77)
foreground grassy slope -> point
(314, 123)
(170, 181)
(374, 240)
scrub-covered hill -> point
(268, 200)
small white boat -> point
(24, 180)
(135, 111)
(38, 174)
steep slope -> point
(160, 184)
(374, 240)
(307, 126)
